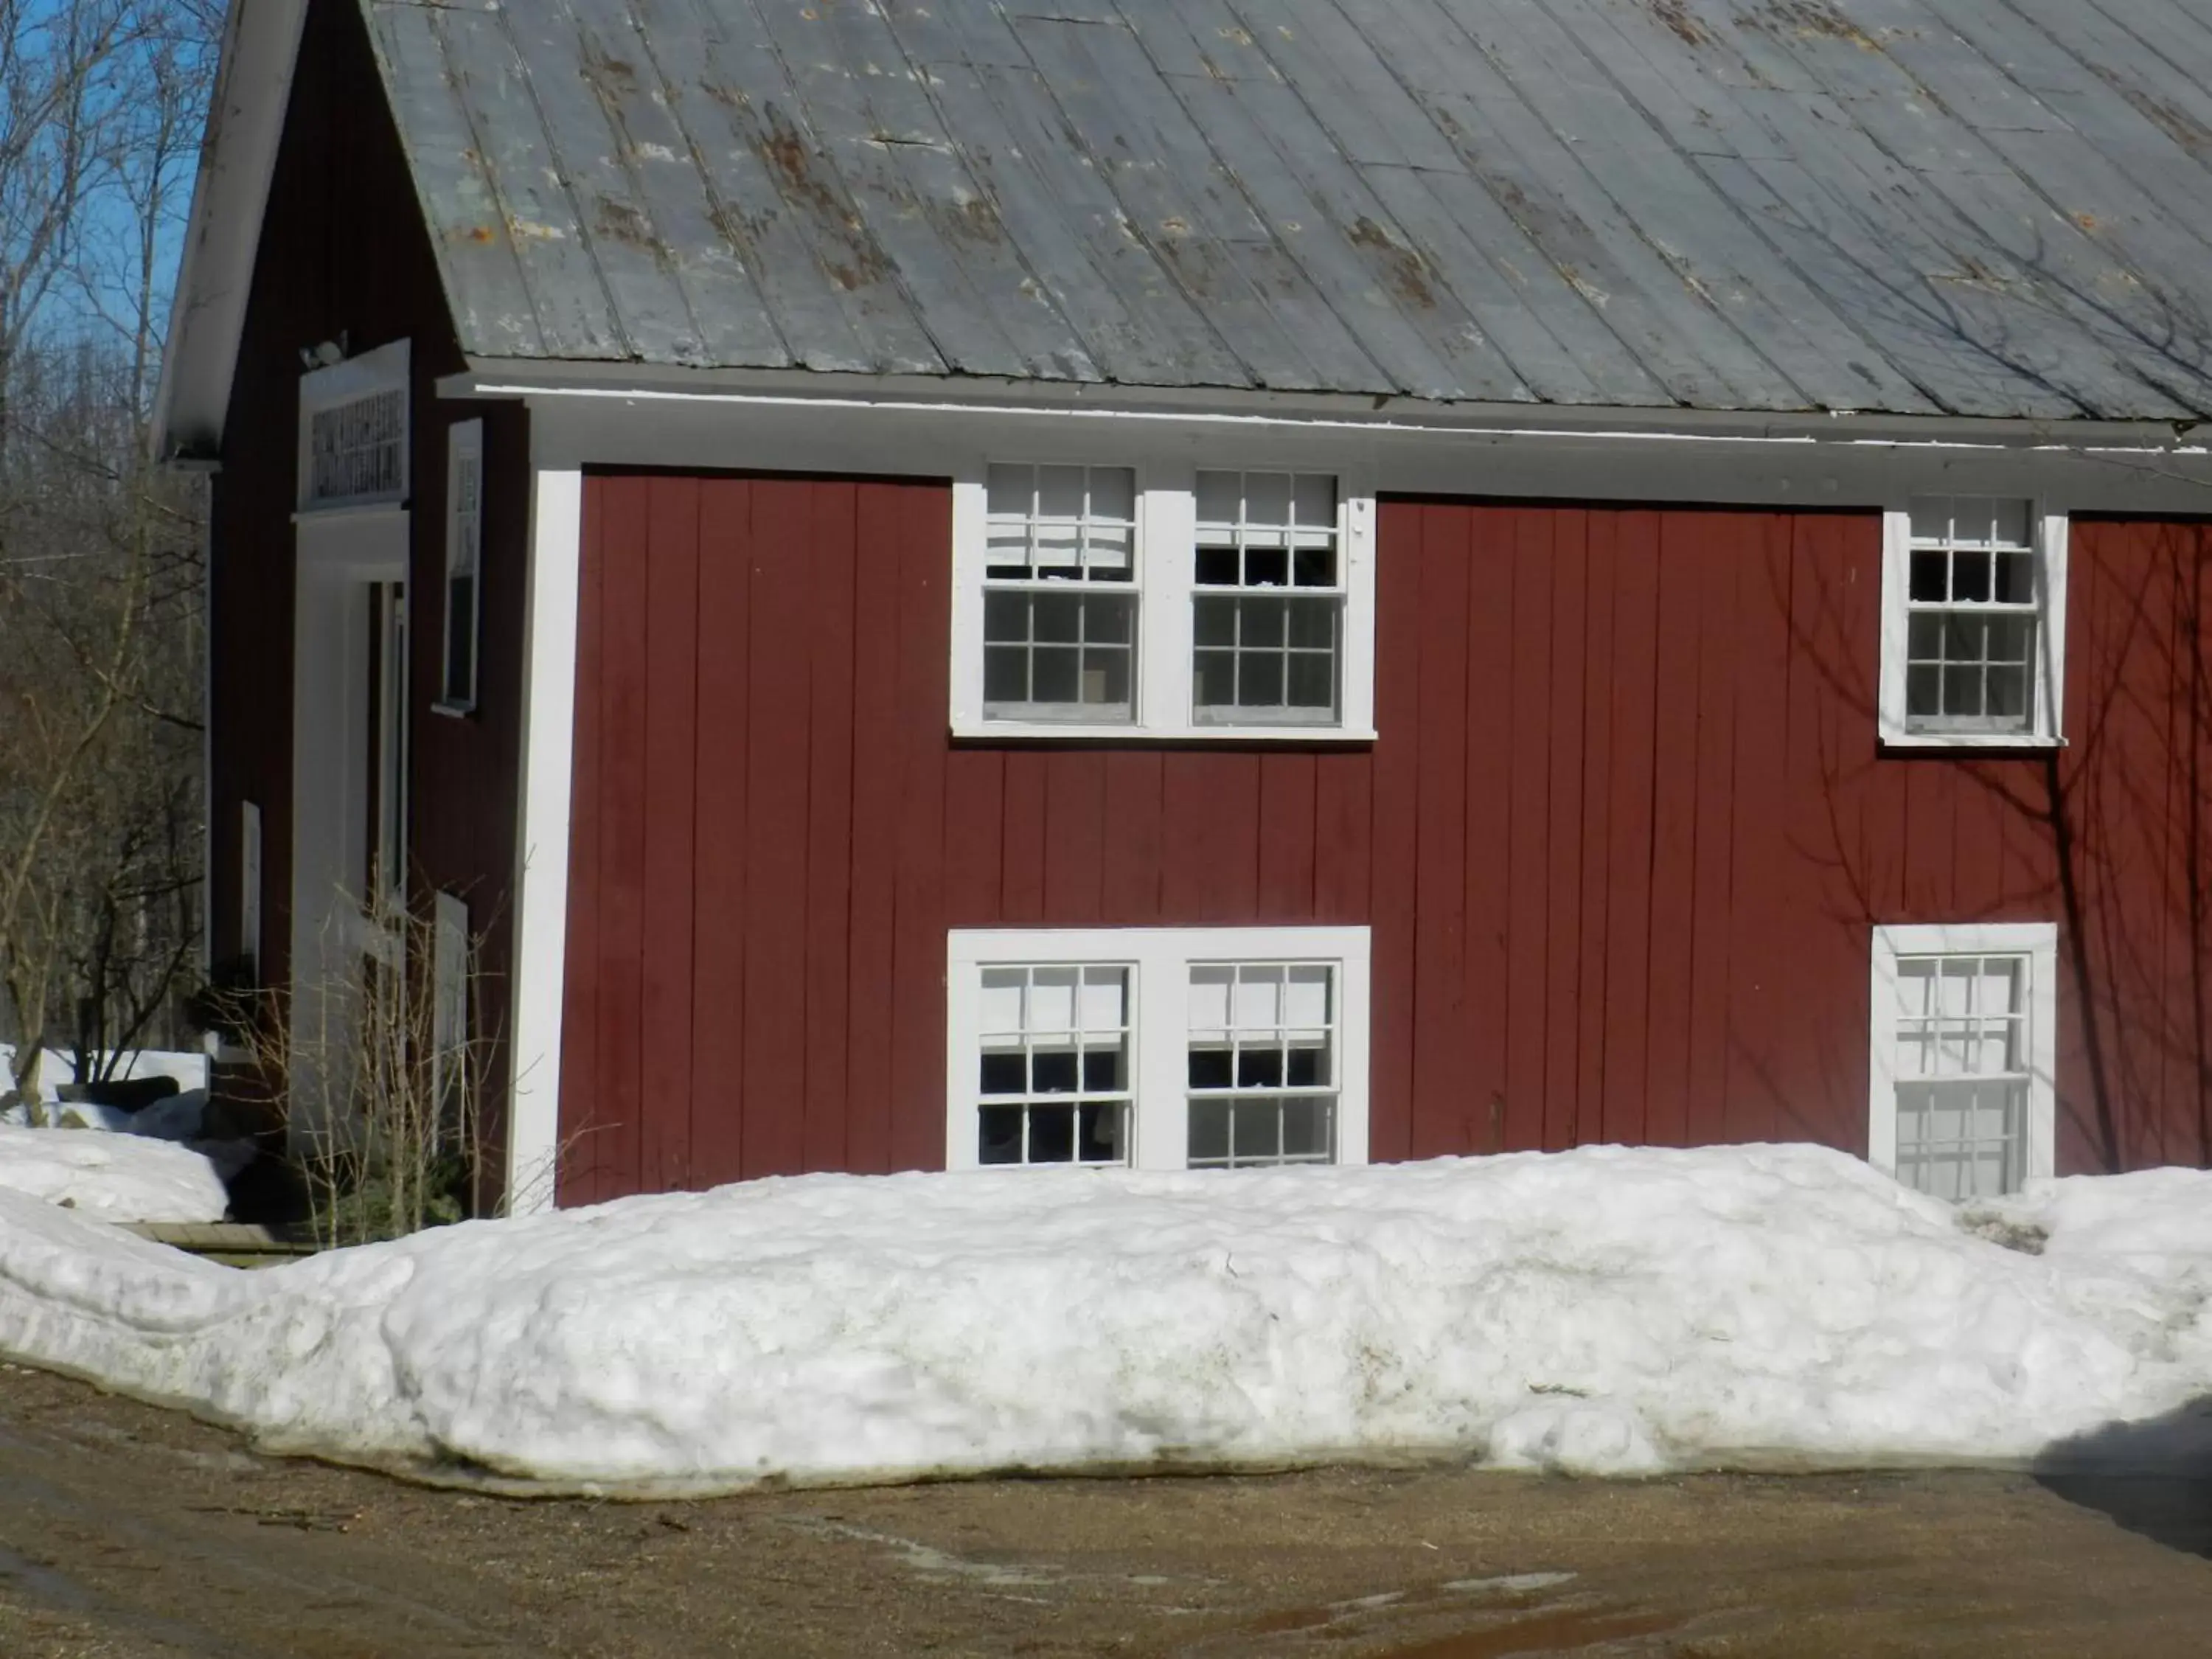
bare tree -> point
(100, 549)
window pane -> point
(1217, 567)
(1316, 501)
(1969, 577)
(1306, 1125)
(1013, 491)
(1212, 1068)
(1256, 1129)
(1220, 498)
(1209, 1131)
(1004, 1072)
(1100, 1138)
(998, 1135)
(1931, 576)
(2009, 526)
(1051, 1135)
(1061, 492)
(1267, 498)
(1113, 493)
(1312, 623)
(1924, 693)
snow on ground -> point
(1603, 1311)
(116, 1177)
(189, 1067)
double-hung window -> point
(1163, 1049)
(1268, 608)
(1158, 601)
(464, 566)
(1059, 598)
(1963, 1047)
(1973, 624)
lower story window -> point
(1053, 1073)
(1963, 1099)
(1262, 1077)
(1158, 1047)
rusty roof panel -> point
(1974, 207)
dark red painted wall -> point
(1621, 841)
(343, 255)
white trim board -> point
(1161, 957)
(541, 852)
(223, 237)
(825, 436)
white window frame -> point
(2037, 941)
(1160, 960)
(1165, 560)
(384, 369)
(463, 444)
(2047, 729)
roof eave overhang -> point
(222, 237)
(617, 383)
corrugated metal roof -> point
(1971, 207)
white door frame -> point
(340, 552)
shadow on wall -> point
(2153, 1478)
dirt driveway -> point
(129, 1532)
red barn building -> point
(1194, 584)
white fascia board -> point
(222, 237)
(492, 377)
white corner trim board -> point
(549, 721)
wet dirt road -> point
(130, 1532)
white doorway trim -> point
(340, 554)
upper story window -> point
(1974, 622)
(1268, 613)
(464, 565)
(1060, 594)
(354, 431)
(1162, 602)
(1963, 1046)
(1157, 1047)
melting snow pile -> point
(1603, 1311)
(116, 1177)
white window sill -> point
(390, 507)
(2014, 741)
(458, 711)
(1078, 732)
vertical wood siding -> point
(1622, 841)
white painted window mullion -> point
(1167, 524)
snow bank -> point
(189, 1067)
(1603, 1311)
(116, 1177)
